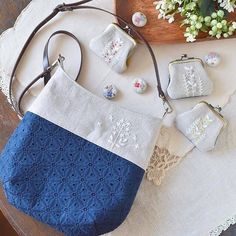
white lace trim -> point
(223, 227)
(161, 161)
(4, 87)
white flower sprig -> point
(228, 5)
(215, 24)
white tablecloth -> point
(198, 195)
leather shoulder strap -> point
(80, 5)
(46, 74)
(46, 63)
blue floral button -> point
(110, 91)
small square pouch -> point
(114, 46)
(202, 125)
(188, 78)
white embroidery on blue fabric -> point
(197, 130)
(193, 83)
(111, 49)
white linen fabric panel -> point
(127, 134)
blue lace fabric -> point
(66, 181)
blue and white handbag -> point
(76, 161)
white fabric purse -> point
(114, 46)
(188, 78)
(202, 125)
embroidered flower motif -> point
(161, 161)
(197, 130)
(121, 134)
(99, 124)
(111, 118)
(139, 85)
(193, 83)
(110, 91)
(111, 49)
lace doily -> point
(162, 161)
(166, 154)
(223, 227)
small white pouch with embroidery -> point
(114, 46)
(202, 125)
(188, 78)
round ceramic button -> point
(110, 91)
(140, 86)
(139, 19)
(213, 59)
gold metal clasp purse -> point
(188, 78)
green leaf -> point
(207, 7)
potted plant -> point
(209, 16)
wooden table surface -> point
(24, 225)
(156, 29)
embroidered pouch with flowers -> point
(114, 46)
(202, 125)
(188, 78)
